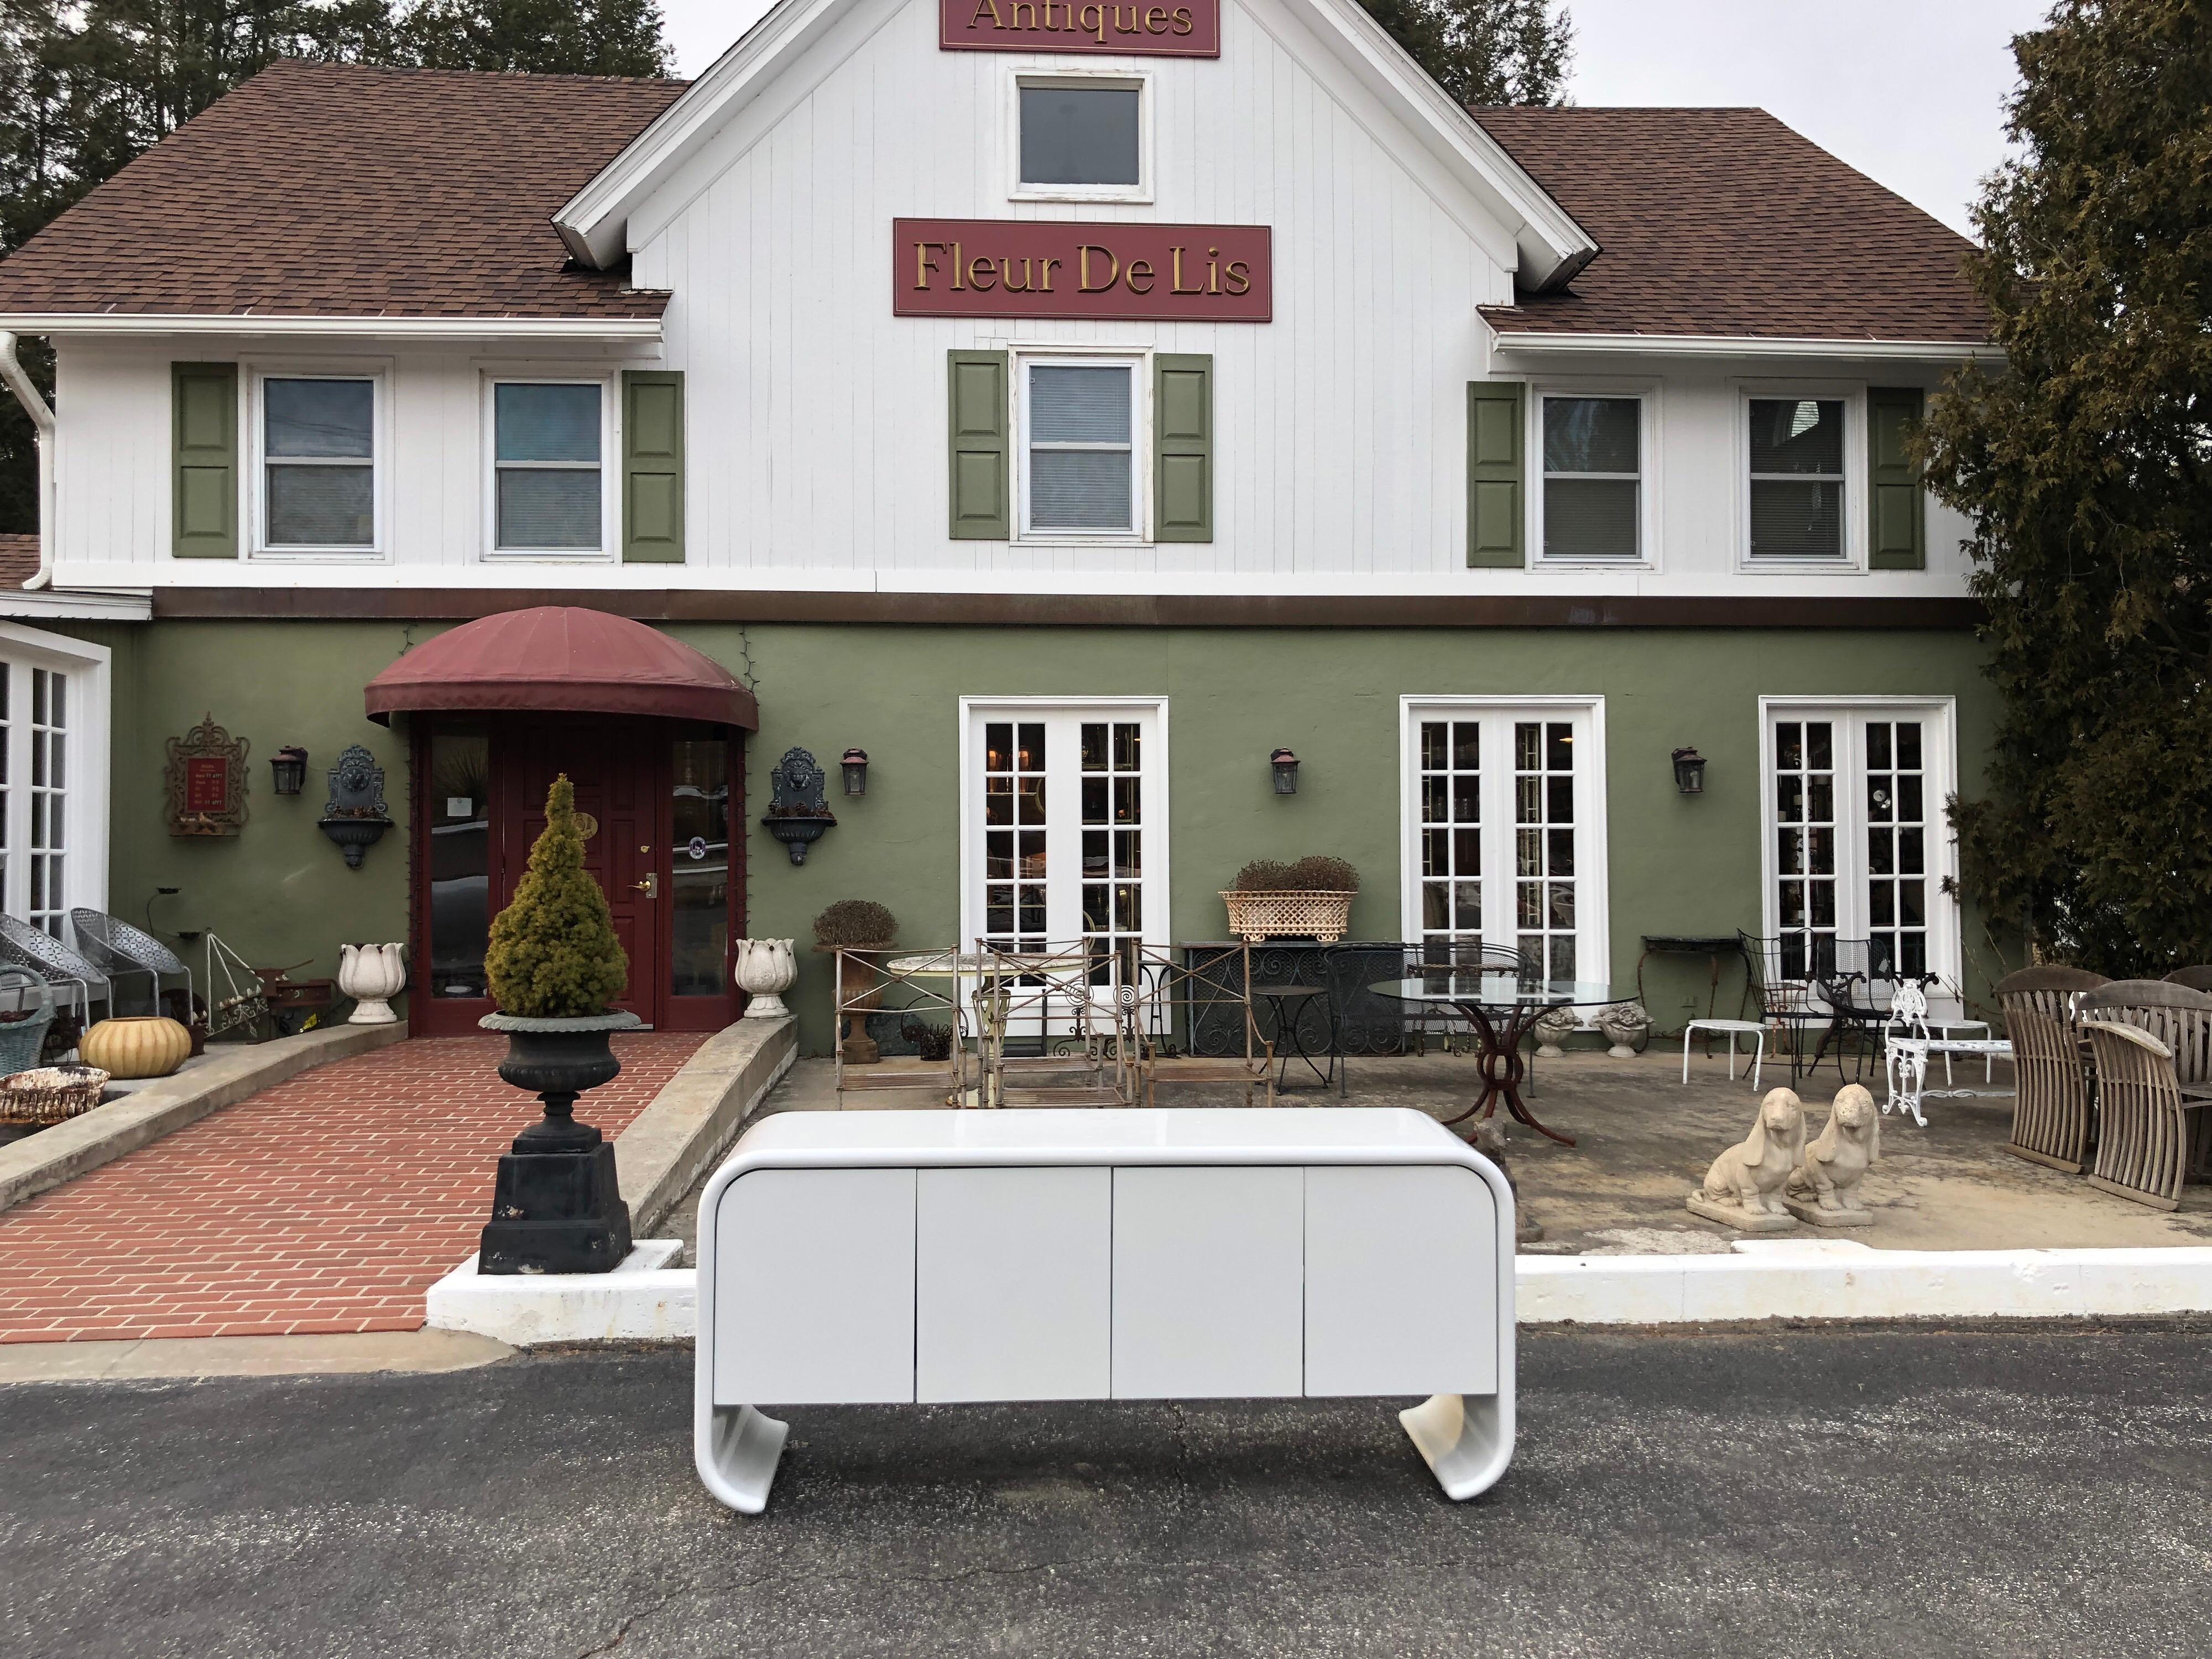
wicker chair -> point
(2196, 979)
(2153, 1135)
(2051, 1118)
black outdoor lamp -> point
(1285, 766)
(1689, 772)
(855, 767)
(290, 764)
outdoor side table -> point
(1501, 1007)
(849, 1258)
(1288, 1004)
(1907, 1067)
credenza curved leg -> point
(741, 1456)
(1461, 1440)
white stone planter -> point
(765, 969)
(372, 974)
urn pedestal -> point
(765, 969)
(372, 974)
(556, 1205)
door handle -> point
(650, 886)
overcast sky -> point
(1910, 91)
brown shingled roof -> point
(329, 190)
(19, 559)
(1723, 221)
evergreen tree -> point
(2086, 466)
(1486, 52)
(553, 954)
(552, 37)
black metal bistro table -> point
(1501, 1007)
(1288, 1004)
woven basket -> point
(1257, 917)
(49, 1094)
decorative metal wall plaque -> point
(798, 815)
(206, 781)
(356, 817)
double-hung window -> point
(548, 492)
(1080, 473)
(1796, 477)
(1079, 137)
(1593, 477)
(318, 441)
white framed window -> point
(1799, 450)
(1855, 847)
(1082, 424)
(53, 776)
(1503, 827)
(1081, 135)
(1595, 502)
(548, 490)
(1064, 822)
(320, 441)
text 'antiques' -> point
(1042, 268)
(1180, 28)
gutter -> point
(42, 417)
(1738, 345)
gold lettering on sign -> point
(923, 265)
(1139, 268)
(1183, 23)
(1007, 276)
(1213, 270)
(1156, 20)
(1049, 266)
(1021, 6)
(1240, 277)
(986, 9)
(1174, 278)
(1094, 22)
(1083, 282)
(958, 286)
(982, 273)
(1136, 15)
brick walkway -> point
(329, 1203)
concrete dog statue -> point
(1824, 1188)
(1743, 1189)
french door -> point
(1064, 826)
(1503, 811)
(1856, 845)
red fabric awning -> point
(561, 657)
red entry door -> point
(621, 797)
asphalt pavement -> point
(2009, 1490)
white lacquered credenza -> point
(850, 1258)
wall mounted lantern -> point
(290, 767)
(1286, 766)
(1689, 772)
(855, 767)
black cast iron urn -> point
(556, 1205)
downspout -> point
(42, 417)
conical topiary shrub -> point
(553, 953)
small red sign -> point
(207, 783)
(1178, 28)
(1049, 268)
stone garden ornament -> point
(1553, 1028)
(1744, 1187)
(1823, 1190)
(372, 974)
(1626, 1025)
(765, 970)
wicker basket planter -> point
(1257, 917)
(50, 1094)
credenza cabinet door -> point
(1013, 1297)
(1401, 1281)
(1209, 1299)
(828, 1324)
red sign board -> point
(207, 783)
(1175, 28)
(1046, 268)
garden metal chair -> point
(121, 950)
(2152, 1135)
(42, 954)
(1786, 998)
(2052, 1119)
(1461, 956)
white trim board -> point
(1739, 345)
(246, 326)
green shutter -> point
(203, 460)
(1897, 541)
(1496, 474)
(652, 467)
(978, 423)
(1183, 448)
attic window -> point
(1080, 137)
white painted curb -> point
(644, 1300)
(1760, 1278)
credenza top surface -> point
(1317, 1134)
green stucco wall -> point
(1678, 864)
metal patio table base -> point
(1501, 1008)
(1288, 1004)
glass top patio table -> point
(1501, 1007)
